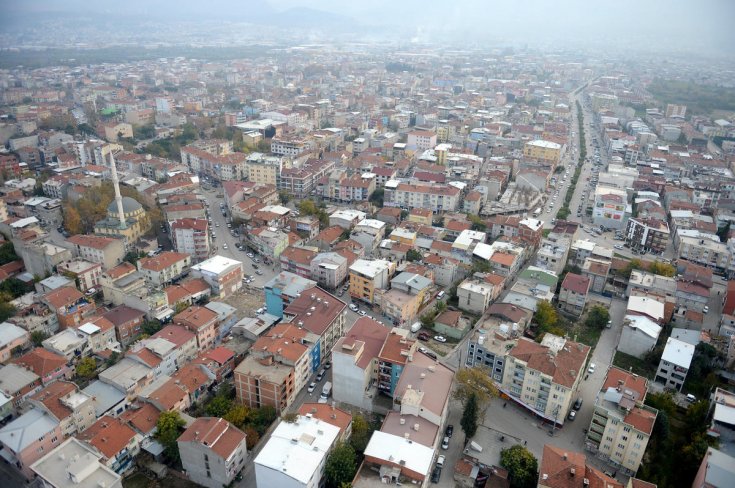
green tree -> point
(545, 316)
(474, 382)
(113, 359)
(284, 197)
(413, 255)
(477, 223)
(377, 197)
(470, 417)
(14, 287)
(7, 253)
(86, 368)
(341, 465)
(219, 406)
(308, 207)
(37, 337)
(427, 319)
(170, 425)
(238, 415)
(522, 466)
(150, 327)
(361, 432)
(597, 317)
(252, 437)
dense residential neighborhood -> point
(346, 264)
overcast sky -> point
(662, 24)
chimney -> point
(564, 456)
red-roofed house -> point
(71, 306)
(297, 260)
(621, 415)
(562, 468)
(201, 321)
(213, 451)
(48, 365)
(115, 441)
(557, 363)
(573, 293)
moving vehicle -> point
(320, 374)
(362, 313)
(440, 295)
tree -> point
(113, 359)
(308, 207)
(597, 317)
(341, 465)
(170, 425)
(219, 406)
(663, 269)
(238, 416)
(284, 196)
(361, 432)
(14, 287)
(252, 438)
(377, 197)
(37, 337)
(7, 253)
(522, 466)
(413, 255)
(477, 222)
(86, 368)
(150, 327)
(427, 319)
(469, 417)
(545, 316)
(474, 382)
(72, 220)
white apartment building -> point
(436, 197)
(191, 236)
(675, 361)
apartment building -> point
(28, 438)
(47, 365)
(544, 378)
(164, 268)
(475, 295)
(85, 273)
(191, 236)
(11, 337)
(74, 462)
(573, 293)
(621, 423)
(71, 306)
(675, 362)
(115, 441)
(368, 275)
(650, 235)
(436, 197)
(307, 439)
(322, 315)
(71, 408)
(268, 241)
(611, 209)
(223, 275)
(329, 269)
(543, 150)
(421, 140)
(263, 169)
(107, 251)
(704, 251)
(202, 322)
(213, 451)
(297, 260)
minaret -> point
(118, 197)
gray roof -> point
(129, 205)
(14, 377)
(26, 429)
(105, 396)
(720, 468)
(73, 463)
(10, 332)
(290, 284)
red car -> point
(423, 336)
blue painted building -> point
(284, 288)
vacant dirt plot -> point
(247, 301)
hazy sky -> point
(662, 24)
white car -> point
(216, 224)
(591, 369)
(439, 338)
(250, 255)
(312, 387)
(362, 313)
(224, 246)
(618, 247)
(353, 307)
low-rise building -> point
(329, 270)
(639, 335)
(107, 251)
(452, 324)
(48, 365)
(475, 295)
(191, 236)
(573, 293)
(73, 463)
(115, 441)
(202, 322)
(12, 339)
(297, 260)
(27, 438)
(71, 408)
(86, 274)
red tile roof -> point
(564, 367)
(108, 435)
(41, 361)
(576, 283)
(215, 433)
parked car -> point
(439, 338)
(353, 307)
(578, 404)
(320, 374)
(250, 255)
(572, 415)
(423, 336)
(258, 272)
(362, 313)
(436, 474)
(449, 431)
(705, 309)
(445, 443)
(440, 460)
(312, 387)
(328, 365)
(591, 369)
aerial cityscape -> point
(317, 244)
